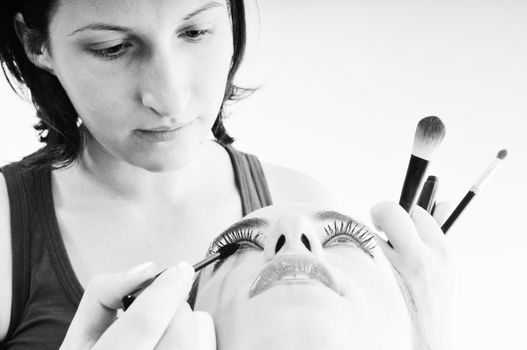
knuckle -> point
(97, 283)
(183, 317)
(144, 327)
(419, 266)
(184, 311)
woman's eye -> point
(339, 239)
(247, 245)
(196, 35)
(244, 246)
(112, 52)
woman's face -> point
(305, 278)
(135, 68)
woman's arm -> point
(5, 260)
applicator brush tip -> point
(502, 154)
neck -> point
(131, 183)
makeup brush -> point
(428, 136)
(427, 196)
(222, 253)
(474, 190)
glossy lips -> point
(292, 269)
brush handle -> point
(412, 182)
(459, 209)
(427, 196)
(129, 299)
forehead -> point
(129, 11)
(275, 212)
(268, 216)
(125, 6)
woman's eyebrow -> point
(203, 8)
(332, 215)
(110, 27)
(100, 26)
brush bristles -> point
(428, 136)
(228, 250)
(502, 154)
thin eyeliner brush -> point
(474, 190)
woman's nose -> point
(293, 234)
(165, 87)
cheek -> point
(228, 287)
(369, 284)
(373, 293)
(210, 74)
(92, 91)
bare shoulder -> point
(5, 260)
(289, 185)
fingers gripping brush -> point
(428, 136)
(223, 253)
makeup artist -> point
(125, 93)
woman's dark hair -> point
(57, 125)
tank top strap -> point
(19, 190)
(42, 306)
(250, 180)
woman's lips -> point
(292, 269)
(163, 133)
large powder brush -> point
(428, 136)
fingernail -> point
(186, 269)
(141, 268)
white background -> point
(343, 85)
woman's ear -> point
(33, 44)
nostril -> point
(305, 240)
(280, 243)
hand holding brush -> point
(159, 319)
(422, 261)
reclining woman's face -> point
(304, 278)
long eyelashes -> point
(245, 237)
(350, 231)
(342, 233)
(237, 236)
